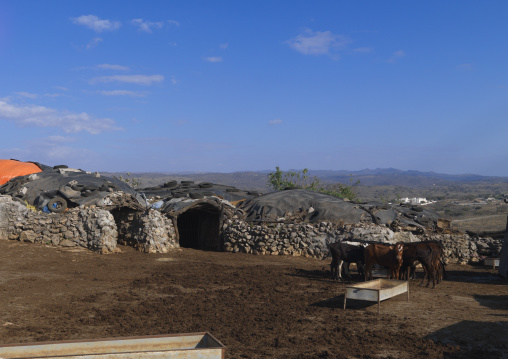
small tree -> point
(345, 191)
(280, 180)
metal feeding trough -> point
(376, 290)
(491, 261)
(177, 346)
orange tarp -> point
(11, 168)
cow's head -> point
(399, 249)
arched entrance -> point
(199, 228)
(127, 224)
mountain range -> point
(373, 182)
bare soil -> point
(258, 306)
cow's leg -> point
(439, 272)
(430, 274)
(424, 276)
(333, 268)
(434, 275)
(340, 269)
(425, 271)
(397, 272)
(412, 272)
(360, 269)
(367, 271)
(403, 273)
(346, 270)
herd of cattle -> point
(399, 259)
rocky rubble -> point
(312, 240)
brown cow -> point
(429, 254)
(384, 255)
(437, 261)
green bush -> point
(280, 180)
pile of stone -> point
(89, 227)
(312, 240)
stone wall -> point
(311, 240)
(91, 227)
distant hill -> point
(375, 184)
(395, 177)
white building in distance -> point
(414, 200)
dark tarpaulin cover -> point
(77, 187)
(191, 189)
(327, 208)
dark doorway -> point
(127, 224)
(199, 228)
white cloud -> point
(213, 59)
(224, 46)
(396, 55)
(113, 67)
(95, 41)
(317, 42)
(96, 24)
(173, 22)
(146, 26)
(123, 93)
(27, 94)
(40, 116)
(275, 122)
(34, 95)
(131, 79)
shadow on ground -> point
(497, 302)
(477, 275)
(484, 340)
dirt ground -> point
(257, 306)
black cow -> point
(344, 252)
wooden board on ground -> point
(177, 346)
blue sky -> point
(224, 86)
